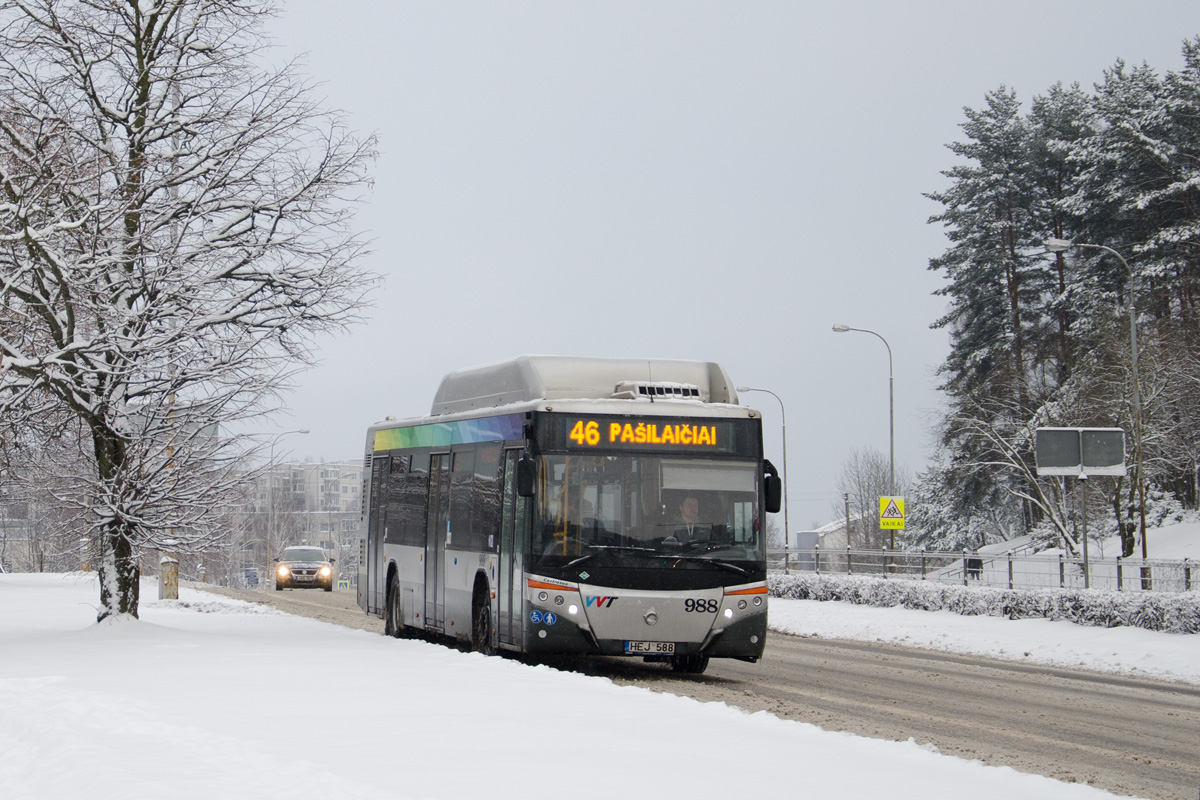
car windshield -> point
(634, 508)
(303, 554)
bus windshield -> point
(637, 508)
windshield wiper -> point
(609, 547)
(722, 564)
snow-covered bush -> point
(1156, 611)
(1163, 508)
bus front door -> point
(435, 541)
(370, 571)
(514, 527)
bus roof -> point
(529, 378)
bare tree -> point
(776, 536)
(175, 228)
(866, 476)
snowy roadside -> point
(212, 697)
(1128, 651)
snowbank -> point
(1156, 611)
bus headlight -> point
(729, 613)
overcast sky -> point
(700, 180)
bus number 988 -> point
(701, 606)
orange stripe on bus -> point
(539, 585)
(755, 590)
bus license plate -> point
(651, 648)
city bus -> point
(553, 505)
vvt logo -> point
(599, 602)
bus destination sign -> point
(679, 435)
(647, 433)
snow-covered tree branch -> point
(175, 229)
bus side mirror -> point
(526, 475)
(772, 489)
(774, 494)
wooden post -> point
(168, 579)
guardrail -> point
(1011, 570)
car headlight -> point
(326, 572)
(282, 571)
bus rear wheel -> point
(481, 624)
(689, 665)
(393, 619)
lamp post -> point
(1059, 246)
(271, 491)
(783, 419)
(840, 328)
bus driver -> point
(689, 519)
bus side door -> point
(435, 540)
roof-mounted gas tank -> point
(530, 378)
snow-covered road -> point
(210, 697)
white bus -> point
(555, 505)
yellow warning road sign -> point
(891, 513)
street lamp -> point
(1059, 246)
(839, 328)
(271, 491)
(783, 418)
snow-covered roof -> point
(530, 377)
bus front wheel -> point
(689, 665)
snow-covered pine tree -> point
(1139, 194)
(1058, 122)
(995, 284)
(1044, 340)
(991, 277)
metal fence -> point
(1012, 570)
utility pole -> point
(846, 497)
